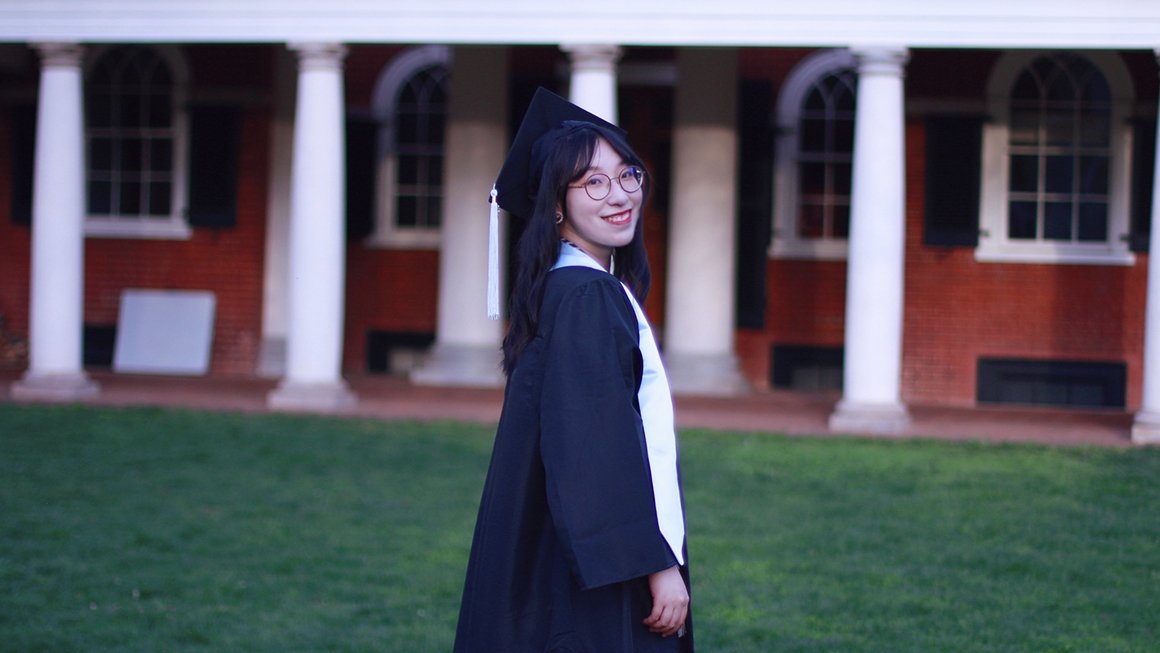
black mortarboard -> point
(547, 118)
(546, 114)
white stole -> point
(656, 410)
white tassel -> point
(493, 257)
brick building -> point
(899, 203)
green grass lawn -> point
(162, 530)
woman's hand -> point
(670, 602)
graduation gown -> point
(567, 531)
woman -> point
(579, 544)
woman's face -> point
(599, 226)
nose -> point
(617, 195)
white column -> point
(593, 78)
(317, 259)
(1146, 427)
(467, 343)
(874, 280)
(700, 299)
(56, 306)
(272, 355)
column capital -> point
(882, 60)
(320, 56)
(592, 56)
(57, 53)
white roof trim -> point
(1110, 24)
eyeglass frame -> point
(588, 192)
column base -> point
(461, 365)
(1146, 428)
(715, 375)
(70, 386)
(272, 358)
(876, 419)
(311, 397)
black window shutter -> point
(755, 201)
(22, 126)
(1143, 166)
(214, 147)
(953, 158)
(362, 136)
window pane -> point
(1093, 222)
(406, 128)
(1093, 175)
(159, 110)
(101, 154)
(131, 154)
(161, 155)
(159, 194)
(1093, 128)
(813, 135)
(435, 128)
(814, 101)
(100, 197)
(435, 171)
(843, 175)
(1024, 174)
(812, 178)
(408, 169)
(811, 221)
(1058, 128)
(1057, 221)
(406, 212)
(129, 111)
(1024, 127)
(434, 208)
(841, 221)
(99, 109)
(843, 135)
(1058, 178)
(1060, 88)
(1026, 87)
(1021, 221)
(130, 198)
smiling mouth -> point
(619, 218)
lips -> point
(621, 218)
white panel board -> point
(164, 332)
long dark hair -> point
(539, 245)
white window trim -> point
(174, 226)
(785, 242)
(386, 233)
(994, 246)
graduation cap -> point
(548, 117)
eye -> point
(632, 174)
(596, 182)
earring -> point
(559, 217)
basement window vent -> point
(396, 352)
(806, 368)
(1076, 384)
(97, 345)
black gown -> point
(567, 531)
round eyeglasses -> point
(599, 185)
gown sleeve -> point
(592, 440)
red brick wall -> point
(228, 262)
(958, 310)
(15, 246)
(386, 289)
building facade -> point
(894, 205)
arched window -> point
(410, 105)
(1056, 159)
(135, 143)
(815, 144)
